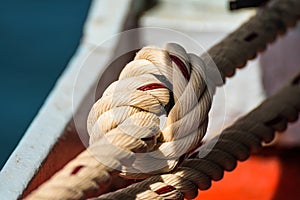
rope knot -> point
(126, 120)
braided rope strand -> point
(234, 144)
(125, 123)
(85, 173)
(253, 36)
(139, 131)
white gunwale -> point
(105, 18)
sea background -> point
(37, 39)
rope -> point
(253, 36)
(125, 123)
(222, 152)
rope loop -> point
(158, 84)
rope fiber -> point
(221, 153)
(125, 136)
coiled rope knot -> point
(125, 121)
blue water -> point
(37, 39)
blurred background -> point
(37, 39)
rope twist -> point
(221, 153)
(126, 119)
(124, 124)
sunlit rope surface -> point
(85, 173)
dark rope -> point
(253, 36)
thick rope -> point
(222, 152)
(253, 36)
(151, 97)
(128, 113)
(124, 124)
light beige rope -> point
(221, 153)
(86, 173)
(124, 124)
(127, 115)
